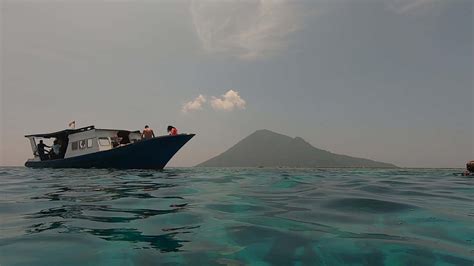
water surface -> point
(218, 216)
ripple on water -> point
(367, 205)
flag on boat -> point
(72, 124)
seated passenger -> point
(148, 133)
(41, 150)
(115, 141)
(124, 137)
(54, 153)
(172, 131)
(115, 144)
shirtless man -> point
(148, 133)
(42, 151)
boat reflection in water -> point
(98, 207)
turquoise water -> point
(205, 216)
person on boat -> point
(115, 141)
(148, 133)
(469, 169)
(63, 144)
(55, 149)
(42, 151)
(172, 131)
(124, 137)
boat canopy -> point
(65, 132)
(68, 132)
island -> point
(265, 148)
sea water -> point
(218, 216)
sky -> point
(388, 80)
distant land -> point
(265, 148)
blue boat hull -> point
(147, 154)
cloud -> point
(410, 6)
(228, 102)
(256, 29)
(194, 105)
(246, 29)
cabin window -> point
(82, 144)
(89, 143)
(74, 145)
(104, 141)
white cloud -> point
(228, 101)
(246, 29)
(194, 105)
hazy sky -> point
(390, 80)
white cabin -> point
(84, 141)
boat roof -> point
(72, 131)
(62, 132)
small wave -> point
(79, 212)
(368, 205)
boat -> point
(90, 147)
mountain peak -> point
(265, 132)
(300, 139)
